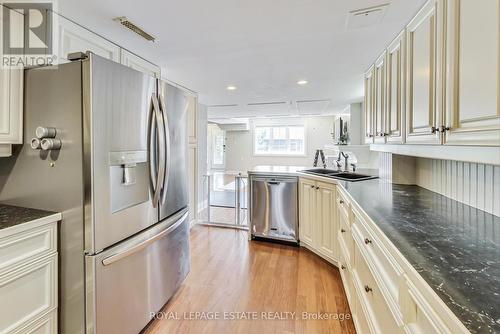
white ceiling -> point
(263, 47)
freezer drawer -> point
(273, 212)
(130, 282)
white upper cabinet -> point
(473, 88)
(424, 40)
(368, 105)
(75, 38)
(131, 60)
(380, 88)
(11, 92)
(395, 97)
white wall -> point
(239, 144)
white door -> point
(307, 211)
(217, 147)
(395, 97)
(379, 89)
(326, 237)
(473, 87)
(424, 41)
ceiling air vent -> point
(135, 28)
(365, 17)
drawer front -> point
(420, 316)
(26, 246)
(388, 274)
(345, 273)
(28, 293)
(375, 307)
(343, 204)
(345, 239)
(47, 324)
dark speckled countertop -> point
(15, 215)
(453, 246)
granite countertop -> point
(278, 170)
(15, 215)
(454, 247)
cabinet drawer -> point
(384, 268)
(26, 246)
(345, 239)
(376, 310)
(348, 284)
(28, 293)
(343, 204)
(420, 316)
(46, 324)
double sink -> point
(334, 174)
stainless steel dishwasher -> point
(273, 207)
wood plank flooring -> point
(231, 274)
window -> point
(279, 140)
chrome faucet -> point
(346, 163)
(338, 162)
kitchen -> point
(321, 167)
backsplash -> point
(477, 185)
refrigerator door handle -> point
(160, 134)
(167, 144)
(143, 244)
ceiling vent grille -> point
(365, 17)
(135, 28)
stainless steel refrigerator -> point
(120, 181)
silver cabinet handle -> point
(160, 128)
(140, 246)
(166, 137)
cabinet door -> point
(11, 90)
(379, 90)
(307, 208)
(473, 86)
(368, 105)
(75, 38)
(326, 232)
(424, 39)
(137, 63)
(395, 97)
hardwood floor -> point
(231, 274)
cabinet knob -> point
(317, 188)
(434, 129)
(445, 128)
(368, 289)
(370, 135)
(342, 267)
(367, 241)
(342, 230)
(341, 201)
(312, 186)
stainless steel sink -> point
(347, 176)
(334, 174)
(320, 171)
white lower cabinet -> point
(318, 225)
(28, 278)
(385, 293)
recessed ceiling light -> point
(302, 82)
(231, 87)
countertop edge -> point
(30, 224)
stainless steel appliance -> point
(114, 163)
(273, 207)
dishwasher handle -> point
(273, 183)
